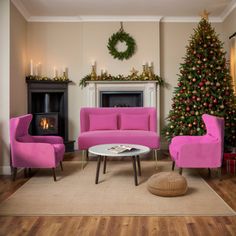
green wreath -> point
(121, 36)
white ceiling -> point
(95, 9)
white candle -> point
(150, 63)
(54, 72)
(31, 67)
(101, 71)
(39, 69)
(36, 70)
(93, 62)
(144, 63)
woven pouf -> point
(167, 184)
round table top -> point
(103, 150)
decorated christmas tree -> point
(204, 86)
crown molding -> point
(21, 8)
(228, 10)
(95, 19)
(189, 19)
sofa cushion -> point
(141, 137)
(167, 184)
(102, 122)
(134, 122)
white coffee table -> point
(102, 151)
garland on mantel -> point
(132, 77)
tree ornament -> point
(121, 36)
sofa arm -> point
(196, 154)
(48, 139)
(33, 155)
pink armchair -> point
(33, 151)
(200, 151)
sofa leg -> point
(54, 174)
(61, 165)
(155, 156)
(14, 173)
(219, 173)
(209, 172)
(84, 156)
(180, 171)
(173, 165)
(87, 155)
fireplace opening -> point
(121, 98)
(46, 123)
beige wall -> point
(229, 27)
(76, 45)
(18, 91)
(174, 39)
(4, 85)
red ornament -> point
(201, 84)
(187, 108)
(215, 101)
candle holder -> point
(150, 72)
(93, 73)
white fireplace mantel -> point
(150, 89)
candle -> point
(144, 63)
(36, 70)
(150, 64)
(54, 72)
(93, 62)
(39, 69)
(31, 67)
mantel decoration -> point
(62, 78)
(121, 36)
(147, 74)
(35, 74)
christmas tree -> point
(204, 86)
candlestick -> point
(31, 67)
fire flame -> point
(44, 123)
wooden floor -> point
(119, 225)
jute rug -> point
(75, 193)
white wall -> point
(4, 85)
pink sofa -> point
(135, 125)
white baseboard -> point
(5, 170)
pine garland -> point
(133, 77)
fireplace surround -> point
(48, 103)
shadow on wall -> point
(4, 148)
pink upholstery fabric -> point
(147, 137)
(134, 122)
(33, 151)
(200, 151)
(102, 122)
